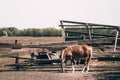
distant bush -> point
(51, 32)
(47, 32)
(4, 33)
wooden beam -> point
(89, 32)
(92, 24)
(81, 28)
(71, 25)
(117, 34)
(48, 61)
(93, 41)
(63, 30)
(108, 58)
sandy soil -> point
(47, 76)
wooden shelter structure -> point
(72, 30)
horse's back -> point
(86, 47)
(79, 47)
(81, 50)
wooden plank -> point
(87, 37)
(11, 45)
(91, 24)
(73, 38)
(108, 58)
(21, 64)
(88, 34)
(117, 35)
(63, 30)
(96, 41)
(48, 61)
(18, 57)
(106, 54)
(16, 46)
(71, 25)
(81, 28)
(52, 46)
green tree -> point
(51, 32)
(12, 31)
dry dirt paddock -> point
(105, 70)
(57, 75)
(38, 75)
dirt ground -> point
(39, 75)
(31, 40)
(45, 76)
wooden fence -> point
(72, 30)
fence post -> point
(32, 57)
(89, 32)
(17, 63)
(117, 34)
(63, 30)
(16, 41)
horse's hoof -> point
(86, 71)
(73, 72)
(62, 71)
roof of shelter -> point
(89, 24)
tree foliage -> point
(47, 32)
(4, 33)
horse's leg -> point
(83, 69)
(63, 64)
(79, 61)
(63, 67)
(73, 68)
(88, 60)
(87, 68)
(85, 65)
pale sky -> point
(47, 13)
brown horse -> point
(76, 53)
